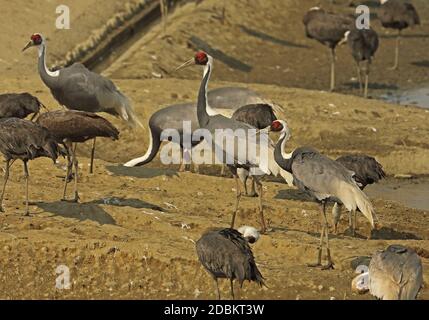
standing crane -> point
(366, 171)
(70, 126)
(213, 123)
(24, 140)
(329, 30)
(77, 88)
(363, 44)
(225, 253)
(19, 105)
(395, 273)
(323, 179)
(397, 15)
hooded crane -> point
(225, 253)
(224, 101)
(323, 179)
(236, 158)
(24, 140)
(367, 171)
(395, 273)
(329, 30)
(398, 15)
(77, 88)
(363, 44)
(19, 105)
(70, 126)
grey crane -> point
(329, 30)
(24, 140)
(70, 126)
(225, 100)
(323, 179)
(19, 105)
(77, 88)
(225, 253)
(363, 44)
(244, 160)
(397, 15)
(395, 273)
(366, 171)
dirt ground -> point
(132, 234)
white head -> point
(360, 284)
(36, 40)
(249, 233)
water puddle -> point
(412, 193)
(418, 97)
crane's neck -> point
(283, 159)
(203, 109)
(48, 77)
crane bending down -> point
(329, 30)
(68, 127)
(24, 140)
(395, 273)
(77, 88)
(366, 171)
(19, 105)
(245, 160)
(323, 179)
(225, 253)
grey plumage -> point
(363, 44)
(24, 140)
(224, 253)
(72, 126)
(395, 274)
(366, 171)
(258, 116)
(329, 30)
(398, 15)
(19, 105)
(323, 179)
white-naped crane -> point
(19, 105)
(324, 180)
(366, 171)
(77, 88)
(240, 160)
(24, 140)
(363, 44)
(328, 29)
(397, 15)
(70, 126)
(395, 273)
(225, 253)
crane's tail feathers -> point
(360, 200)
(154, 144)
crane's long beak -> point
(188, 63)
(29, 44)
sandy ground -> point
(132, 234)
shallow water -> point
(413, 193)
(418, 97)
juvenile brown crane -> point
(24, 140)
(19, 105)
(397, 15)
(78, 88)
(70, 127)
(225, 253)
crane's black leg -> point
(336, 213)
(91, 167)
(322, 235)
(398, 42)
(232, 289)
(76, 175)
(261, 207)
(26, 176)
(5, 179)
(333, 57)
(69, 169)
(217, 288)
(237, 201)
